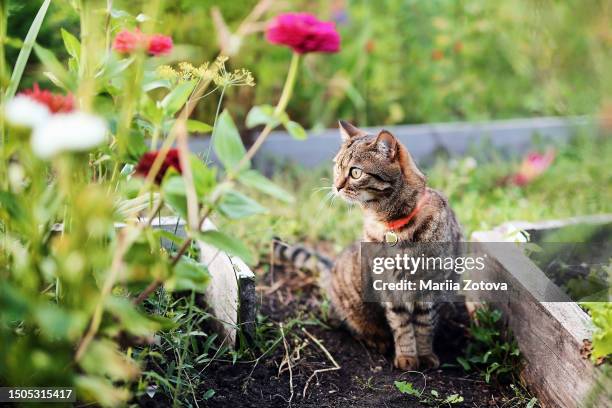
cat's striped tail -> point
(302, 258)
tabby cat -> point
(377, 173)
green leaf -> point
(601, 315)
(59, 323)
(101, 391)
(132, 320)
(72, 44)
(236, 205)
(453, 399)
(532, 402)
(296, 130)
(227, 142)
(262, 115)
(55, 68)
(225, 243)
(406, 388)
(169, 237)
(197, 126)
(204, 177)
(209, 394)
(150, 111)
(254, 179)
(13, 304)
(113, 67)
(26, 50)
(104, 358)
(10, 203)
(464, 363)
(177, 97)
(136, 147)
(173, 189)
(188, 275)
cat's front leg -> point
(399, 319)
(424, 319)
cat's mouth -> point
(356, 197)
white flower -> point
(74, 131)
(25, 111)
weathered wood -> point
(512, 135)
(550, 334)
(231, 291)
(230, 294)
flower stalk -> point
(231, 176)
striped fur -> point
(301, 257)
(378, 174)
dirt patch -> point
(365, 378)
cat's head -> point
(370, 169)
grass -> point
(578, 182)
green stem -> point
(155, 137)
(280, 108)
(214, 131)
(289, 84)
(107, 28)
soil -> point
(365, 377)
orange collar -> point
(401, 222)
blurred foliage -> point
(407, 61)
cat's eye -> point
(355, 172)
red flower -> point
(160, 44)
(146, 162)
(532, 166)
(303, 33)
(55, 102)
(128, 41)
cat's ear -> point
(386, 144)
(348, 131)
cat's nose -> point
(340, 185)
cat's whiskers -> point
(327, 199)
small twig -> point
(192, 197)
(321, 370)
(287, 359)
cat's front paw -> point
(429, 361)
(404, 362)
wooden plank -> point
(513, 136)
(230, 295)
(550, 334)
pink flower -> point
(533, 166)
(303, 33)
(128, 41)
(160, 44)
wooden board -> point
(550, 334)
(230, 295)
(513, 136)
